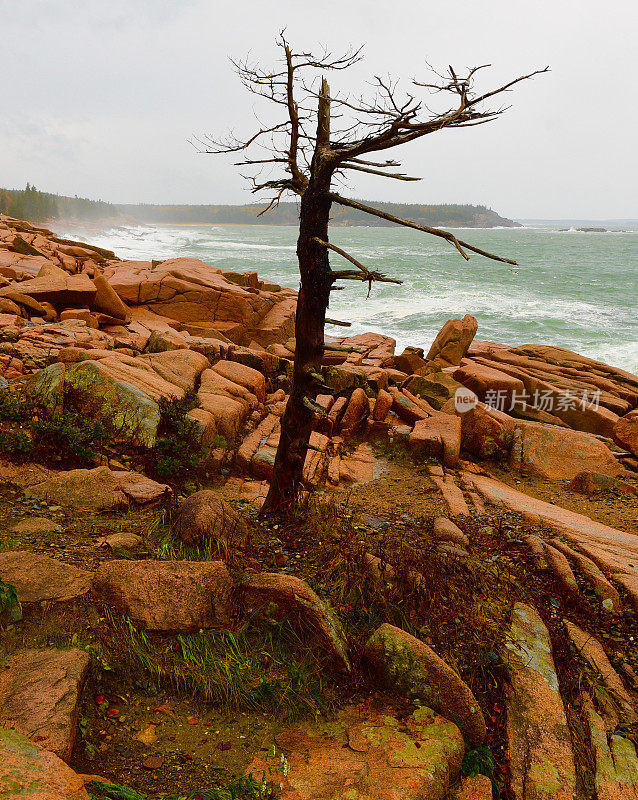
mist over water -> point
(572, 289)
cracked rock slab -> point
(616, 775)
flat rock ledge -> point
(39, 695)
(408, 665)
(98, 489)
(364, 755)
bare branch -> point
(351, 275)
(398, 176)
(365, 275)
(458, 243)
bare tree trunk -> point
(387, 121)
(314, 295)
(299, 419)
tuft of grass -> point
(246, 669)
(8, 599)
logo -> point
(464, 400)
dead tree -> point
(321, 138)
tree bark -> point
(298, 420)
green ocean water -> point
(572, 289)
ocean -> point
(572, 289)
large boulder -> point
(410, 360)
(438, 436)
(452, 341)
(408, 665)
(229, 392)
(240, 374)
(29, 772)
(538, 738)
(205, 517)
(40, 694)
(106, 300)
(559, 453)
(486, 432)
(126, 408)
(364, 754)
(291, 597)
(169, 596)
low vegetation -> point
(238, 789)
(67, 437)
(250, 668)
(179, 454)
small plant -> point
(480, 761)
(66, 437)
(8, 599)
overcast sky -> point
(99, 97)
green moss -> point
(544, 776)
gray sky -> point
(99, 97)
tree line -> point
(36, 206)
(456, 215)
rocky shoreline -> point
(82, 329)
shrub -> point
(29, 430)
(179, 452)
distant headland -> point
(37, 206)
